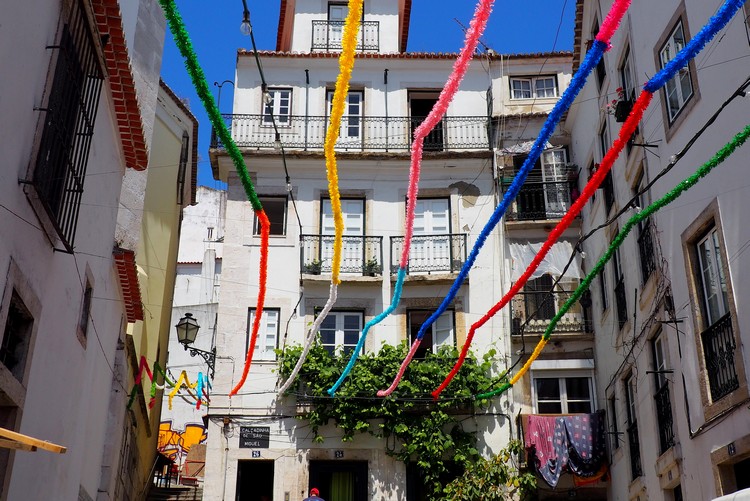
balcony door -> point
(555, 179)
(337, 13)
(430, 247)
(352, 252)
(350, 132)
(420, 105)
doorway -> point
(420, 105)
(254, 481)
(339, 480)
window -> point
(83, 324)
(351, 121)
(645, 237)
(592, 171)
(563, 395)
(603, 288)
(627, 81)
(601, 67)
(661, 396)
(69, 117)
(718, 340)
(620, 299)
(268, 333)
(679, 89)
(440, 333)
(16, 337)
(340, 330)
(533, 87)
(275, 209)
(614, 433)
(634, 445)
(677, 493)
(277, 104)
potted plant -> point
(313, 267)
(372, 267)
(621, 106)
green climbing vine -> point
(414, 427)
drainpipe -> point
(387, 132)
(307, 102)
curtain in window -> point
(342, 486)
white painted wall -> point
(719, 73)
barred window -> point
(69, 118)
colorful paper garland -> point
(476, 28)
(644, 214)
(688, 52)
(346, 65)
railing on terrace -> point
(327, 35)
(368, 133)
(540, 201)
(431, 253)
(361, 255)
(635, 451)
(718, 348)
(539, 308)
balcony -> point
(635, 451)
(361, 255)
(664, 418)
(327, 35)
(646, 250)
(431, 253)
(539, 201)
(358, 134)
(718, 349)
(531, 313)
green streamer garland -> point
(668, 198)
(182, 40)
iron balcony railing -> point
(540, 201)
(367, 133)
(621, 302)
(664, 418)
(531, 313)
(646, 250)
(327, 35)
(718, 349)
(431, 253)
(361, 255)
(635, 451)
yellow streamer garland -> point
(346, 65)
(182, 379)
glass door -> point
(352, 252)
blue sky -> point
(514, 27)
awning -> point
(522, 148)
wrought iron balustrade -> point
(327, 35)
(646, 250)
(540, 201)
(431, 253)
(664, 417)
(635, 451)
(361, 255)
(621, 302)
(358, 133)
(718, 349)
(531, 313)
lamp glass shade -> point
(187, 329)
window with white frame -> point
(340, 331)
(268, 333)
(571, 393)
(439, 334)
(679, 89)
(533, 87)
(277, 103)
(712, 278)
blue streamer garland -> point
(397, 290)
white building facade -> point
(668, 312)
(502, 103)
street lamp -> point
(187, 331)
(245, 28)
(214, 142)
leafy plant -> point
(313, 267)
(414, 426)
(496, 478)
(372, 267)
